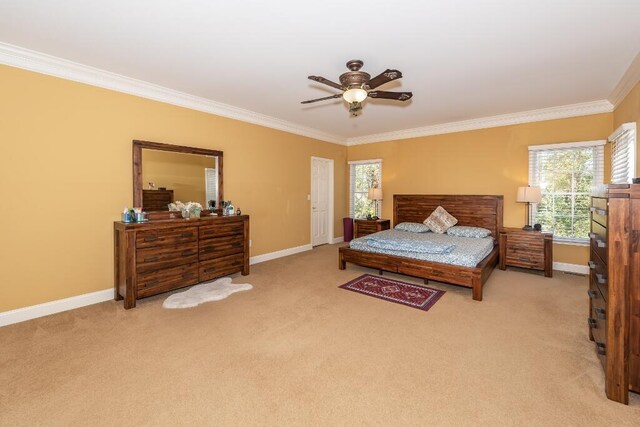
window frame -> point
(352, 165)
(598, 178)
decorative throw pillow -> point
(414, 227)
(440, 220)
(465, 231)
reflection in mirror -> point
(172, 176)
(166, 173)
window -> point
(365, 174)
(623, 154)
(211, 183)
(566, 174)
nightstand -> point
(526, 249)
(362, 227)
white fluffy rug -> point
(205, 292)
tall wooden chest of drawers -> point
(158, 256)
(614, 287)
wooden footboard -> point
(470, 277)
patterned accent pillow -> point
(440, 220)
(465, 231)
(414, 227)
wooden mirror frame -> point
(137, 166)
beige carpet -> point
(298, 350)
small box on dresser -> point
(159, 256)
(614, 287)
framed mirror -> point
(166, 173)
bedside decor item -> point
(420, 297)
(205, 292)
(528, 195)
(537, 227)
(375, 194)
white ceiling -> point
(462, 59)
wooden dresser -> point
(363, 227)
(614, 287)
(157, 200)
(161, 255)
(526, 249)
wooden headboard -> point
(475, 211)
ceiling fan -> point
(357, 85)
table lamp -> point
(375, 194)
(528, 195)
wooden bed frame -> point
(476, 211)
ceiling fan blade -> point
(398, 96)
(384, 77)
(322, 99)
(325, 81)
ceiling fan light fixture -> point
(355, 95)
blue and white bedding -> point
(466, 251)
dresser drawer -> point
(157, 281)
(525, 257)
(221, 246)
(166, 236)
(598, 321)
(166, 256)
(598, 241)
(232, 227)
(219, 267)
(599, 203)
(598, 275)
(599, 215)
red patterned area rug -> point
(420, 297)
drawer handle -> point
(593, 323)
(187, 252)
(152, 259)
(601, 313)
(598, 211)
(592, 265)
(601, 348)
(601, 243)
(151, 238)
(186, 235)
(592, 294)
(601, 279)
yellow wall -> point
(65, 169)
(629, 111)
(485, 161)
(183, 173)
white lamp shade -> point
(375, 194)
(355, 95)
(529, 194)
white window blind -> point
(364, 174)
(566, 175)
(623, 154)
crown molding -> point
(19, 57)
(26, 59)
(553, 113)
(628, 81)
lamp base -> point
(527, 228)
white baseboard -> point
(52, 307)
(338, 240)
(571, 268)
(279, 254)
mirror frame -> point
(138, 145)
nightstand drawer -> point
(363, 227)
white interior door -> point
(321, 197)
